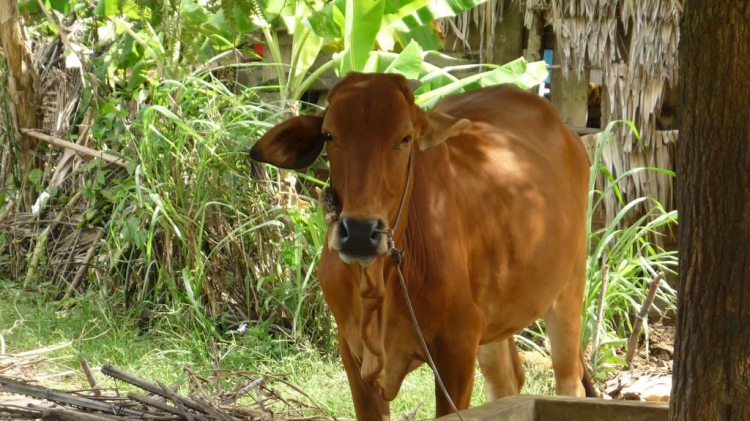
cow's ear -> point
(439, 127)
(293, 144)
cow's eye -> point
(405, 141)
(328, 138)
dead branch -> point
(39, 392)
(600, 309)
(41, 351)
(20, 412)
(633, 342)
(167, 405)
(244, 390)
(83, 269)
(6, 210)
(41, 241)
(90, 377)
(60, 143)
(65, 373)
(179, 406)
(58, 414)
(208, 409)
(409, 416)
(116, 373)
(162, 406)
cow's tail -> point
(587, 380)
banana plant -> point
(364, 36)
(437, 82)
(366, 31)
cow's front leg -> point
(455, 360)
(368, 404)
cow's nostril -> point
(343, 232)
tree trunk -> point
(712, 350)
(22, 79)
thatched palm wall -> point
(634, 44)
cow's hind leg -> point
(563, 321)
(502, 369)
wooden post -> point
(508, 44)
(533, 50)
(570, 95)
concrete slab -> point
(560, 408)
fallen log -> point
(58, 414)
(20, 412)
(39, 392)
(162, 406)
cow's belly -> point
(507, 313)
(517, 280)
(530, 235)
(519, 265)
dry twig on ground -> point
(204, 401)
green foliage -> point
(353, 27)
(356, 27)
(195, 228)
(363, 20)
(438, 83)
(630, 246)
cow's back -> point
(519, 179)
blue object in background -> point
(548, 55)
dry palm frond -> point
(55, 236)
(636, 76)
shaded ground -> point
(651, 376)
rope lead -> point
(397, 257)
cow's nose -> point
(359, 237)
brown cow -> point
(493, 230)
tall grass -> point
(193, 224)
(197, 225)
(630, 246)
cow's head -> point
(369, 131)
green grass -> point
(103, 334)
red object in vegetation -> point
(258, 49)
